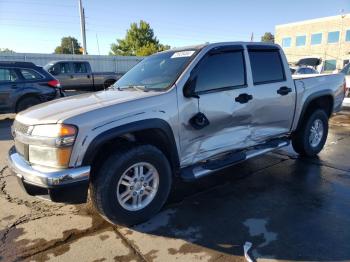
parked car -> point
(346, 72)
(23, 84)
(77, 75)
(303, 71)
(184, 112)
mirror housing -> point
(188, 90)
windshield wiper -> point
(136, 87)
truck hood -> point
(58, 110)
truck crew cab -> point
(185, 112)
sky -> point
(36, 26)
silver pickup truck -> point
(185, 112)
(78, 75)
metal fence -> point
(119, 64)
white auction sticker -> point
(182, 54)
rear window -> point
(29, 74)
(267, 66)
(80, 68)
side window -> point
(346, 70)
(220, 70)
(8, 75)
(80, 68)
(267, 66)
(29, 74)
(64, 68)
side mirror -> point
(189, 88)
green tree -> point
(139, 41)
(268, 38)
(69, 45)
(6, 50)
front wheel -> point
(131, 185)
(311, 136)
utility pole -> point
(98, 45)
(82, 26)
(73, 51)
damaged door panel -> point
(219, 84)
(274, 94)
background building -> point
(327, 38)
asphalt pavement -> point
(284, 206)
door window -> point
(220, 71)
(80, 68)
(29, 74)
(267, 66)
(8, 75)
(64, 68)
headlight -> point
(49, 156)
(52, 145)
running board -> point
(206, 168)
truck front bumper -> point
(65, 185)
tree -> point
(268, 38)
(6, 50)
(69, 45)
(139, 41)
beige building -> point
(327, 38)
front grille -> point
(21, 128)
(22, 149)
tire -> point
(302, 142)
(108, 83)
(27, 102)
(105, 187)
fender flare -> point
(155, 123)
(312, 97)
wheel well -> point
(24, 97)
(153, 136)
(323, 102)
(109, 80)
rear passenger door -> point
(273, 91)
(82, 76)
(9, 82)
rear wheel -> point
(27, 102)
(131, 185)
(311, 136)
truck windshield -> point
(156, 72)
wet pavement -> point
(288, 208)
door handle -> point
(88, 76)
(284, 90)
(243, 98)
(71, 76)
(13, 85)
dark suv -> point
(23, 84)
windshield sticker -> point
(182, 54)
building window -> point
(347, 36)
(333, 37)
(316, 39)
(330, 65)
(287, 42)
(300, 40)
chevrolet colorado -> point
(185, 112)
(78, 75)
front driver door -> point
(220, 81)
